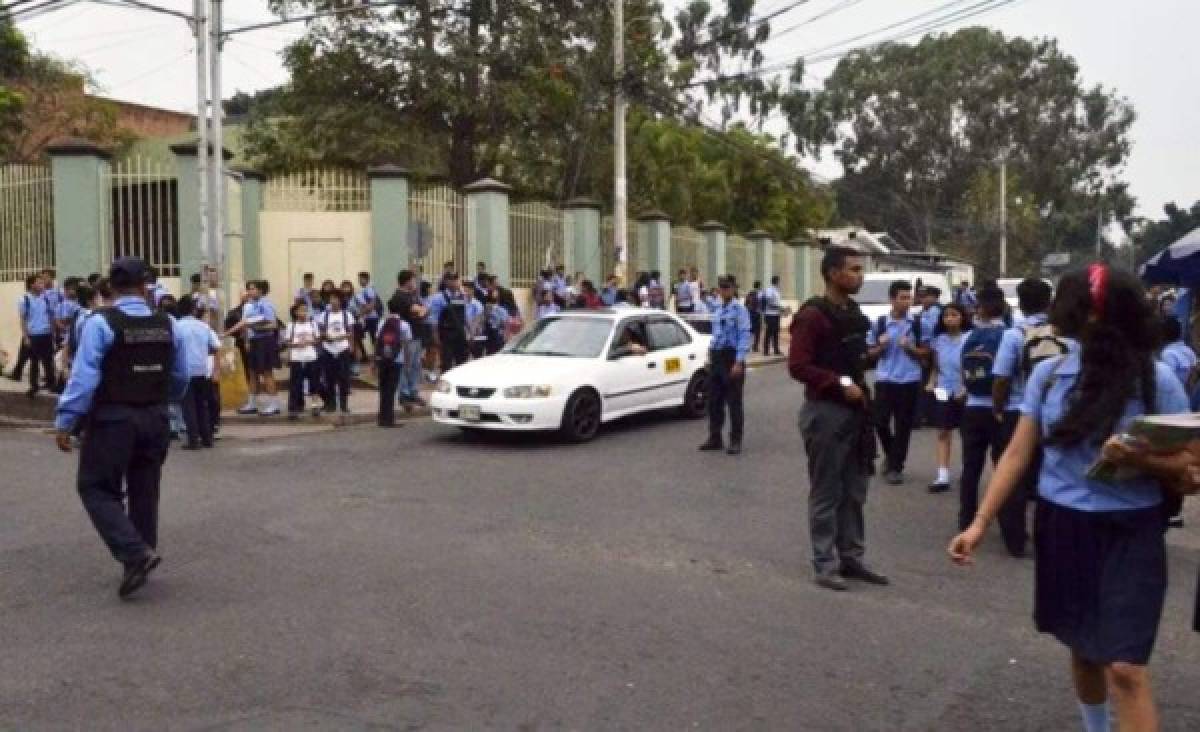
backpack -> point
(387, 346)
(1040, 343)
(979, 356)
(882, 323)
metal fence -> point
(535, 235)
(608, 251)
(26, 221)
(144, 210)
(689, 248)
(318, 190)
(438, 216)
(739, 261)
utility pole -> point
(620, 204)
(199, 23)
(1003, 217)
(217, 211)
(1100, 234)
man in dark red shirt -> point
(829, 355)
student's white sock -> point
(943, 475)
(1095, 717)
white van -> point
(873, 297)
(1009, 286)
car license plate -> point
(673, 365)
(468, 413)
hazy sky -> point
(1142, 49)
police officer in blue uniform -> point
(731, 338)
(129, 364)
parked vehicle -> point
(873, 297)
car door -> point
(671, 361)
(626, 379)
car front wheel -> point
(581, 417)
(695, 399)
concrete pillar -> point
(716, 235)
(654, 241)
(252, 199)
(390, 248)
(191, 248)
(762, 244)
(81, 206)
(798, 250)
(487, 228)
(581, 239)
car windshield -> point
(566, 337)
(874, 292)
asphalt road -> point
(413, 579)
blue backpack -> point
(979, 358)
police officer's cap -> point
(128, 272)
(726, 281)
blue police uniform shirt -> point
(986, 401)
(1062, 479)
(198, 339)
(895, 365)
(35, 310)
(929, 322)
(731, 329)
(1180, 357)
(949, 361)
(439, 303)
(86, 370)
(259, 311)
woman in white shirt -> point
(300, 340)
(337, 332)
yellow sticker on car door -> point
(673, 365)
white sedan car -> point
(576, 370)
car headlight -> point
(444, 387)
(528, 391)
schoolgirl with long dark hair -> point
(1101, 573)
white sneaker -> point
(248, 408)
(270, 411)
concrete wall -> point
(10, 326)
(335, 246)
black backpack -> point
(979, 359)
(390, 340)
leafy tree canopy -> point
(917, 129)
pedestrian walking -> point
(753, 303)
(895, 346)
(828, 354)
(337, 347)
(772, 313)
(391, 350)
(945, 386)
(131, 361)
(260, 324)
(200, 342)
(36, 318)
(300, 341)
(728, 350)
(1100, 578)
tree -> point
(914, 126)
(1154, 236)
(519, 89)
(42, 99)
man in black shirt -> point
(409, 306)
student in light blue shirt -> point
(895, 345)
(1100, 575)
(200, 342)
(946, 384)
(37, 333)
(1177, 354)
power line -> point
(30, 11)
(325, 14)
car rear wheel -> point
(581, 417)
(695, 399)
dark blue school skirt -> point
(1101, 580)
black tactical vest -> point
(846, 351)
(452, 321)
(137, 369)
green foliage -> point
(914, 126)
(522, 90)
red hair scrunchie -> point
(1098, 287)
